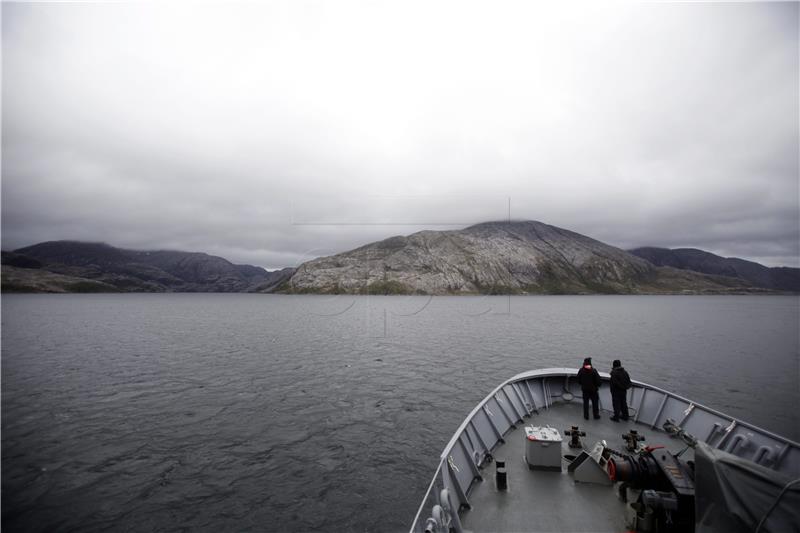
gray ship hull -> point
(464, 496)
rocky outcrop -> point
(776, 278)
(133, 270)
(494, 258)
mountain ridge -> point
(496, 257)
(776, 278)
(499, 257)
(136, 270)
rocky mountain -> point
(524, 257)
(777, 278)
(496, 258)
(83, 265)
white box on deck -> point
(543, 448)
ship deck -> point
(538, 500)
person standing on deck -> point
(620, 383)
(590, 383)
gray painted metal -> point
(489, 423)
(550, 501)
(590, 467)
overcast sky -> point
(274, 133)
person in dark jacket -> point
(590, 384)
(620, 383)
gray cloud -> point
(230, 128)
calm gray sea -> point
(166, 412)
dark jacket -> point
(588, 378)
(620, 380)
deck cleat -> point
(632, 440)
(575, 433)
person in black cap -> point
(620, 383)
(590, 383)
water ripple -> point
(269, 413)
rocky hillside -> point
(776, 278)
(98, 266)
(496, 258)
(16, 279)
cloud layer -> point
(272, 133)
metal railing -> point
(507, 405)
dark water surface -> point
(307, 413)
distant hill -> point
(776, 278)
(16, 279)
(83, 265)
(522, 257)
(525, 257)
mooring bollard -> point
(500, 475)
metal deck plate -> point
(542, 501)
